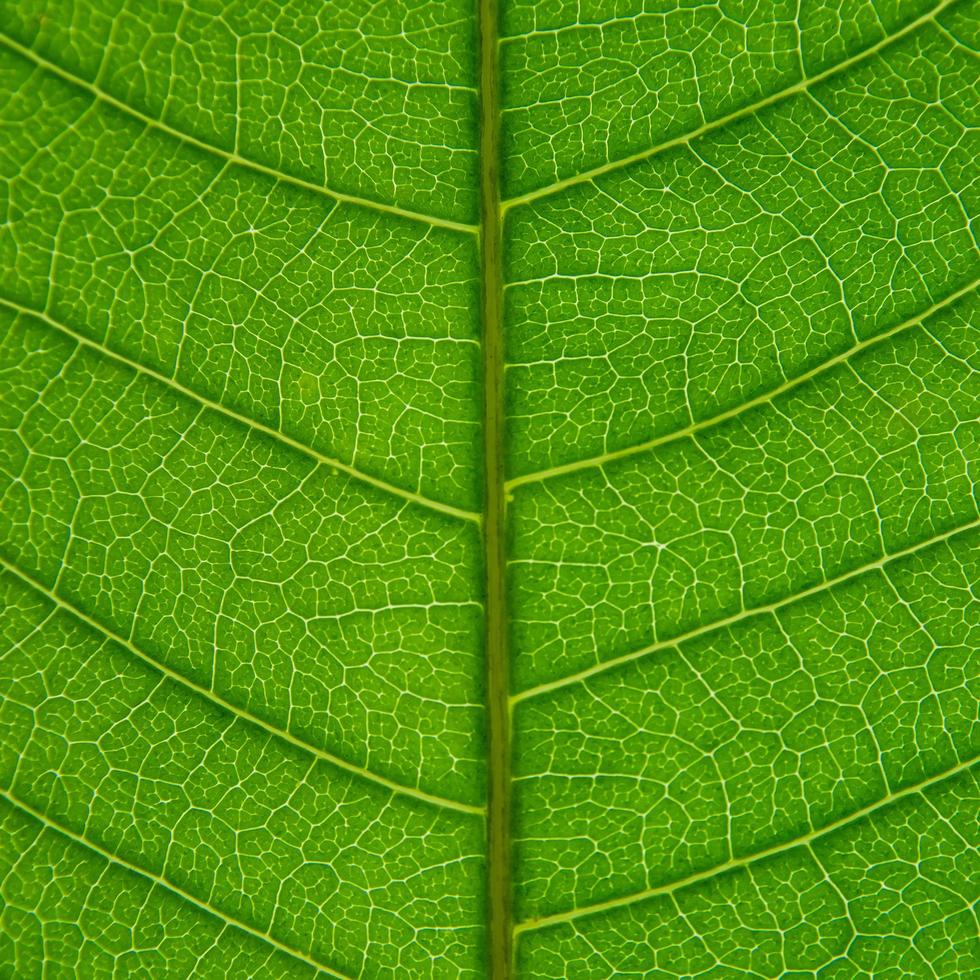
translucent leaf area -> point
(281, 535)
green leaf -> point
(489, 492)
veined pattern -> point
(489, 489)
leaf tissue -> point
(488, 489)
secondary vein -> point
(748, 859)
(673, 641)
(685, 138)
(169, 886)
(245, 420)
(235, 158)
(763, 399)
(214, 698)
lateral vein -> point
(169, 886)
(685, 138)
(748, 859)
(235, 158)
(239, 712)
(763, 399)
(245, 420)
(738, 617)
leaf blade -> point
(258, 496)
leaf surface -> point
(504, 516)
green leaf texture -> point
(489, 491)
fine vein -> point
(673, 641)
(242, 713)
(169, 886)
(749, 859)
(245, 420)
(499, 929)
(235, 158)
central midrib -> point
(499, 931)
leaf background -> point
(243, 415)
